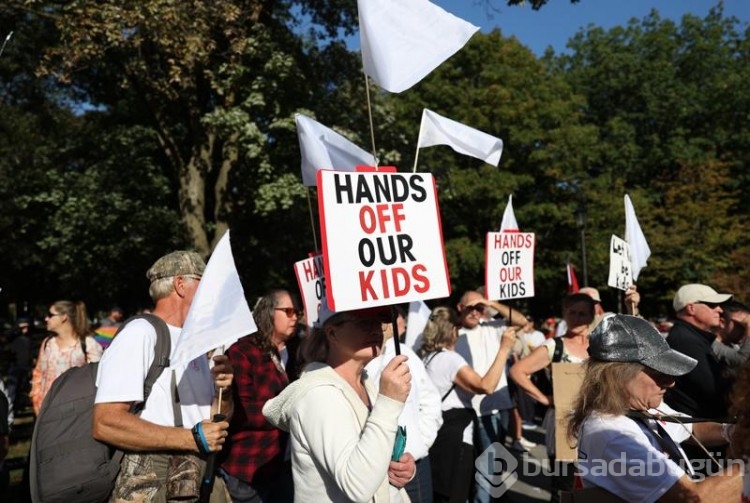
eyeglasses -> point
(192, 276)
(289, 311)
(50, 314)
(476, 307)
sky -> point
(555, 23)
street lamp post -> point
(581, 216)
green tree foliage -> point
(670, 106)
(496, 85)
(195, 99)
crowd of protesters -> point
(314, 412)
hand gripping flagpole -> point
(207, 482)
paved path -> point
(531, 488)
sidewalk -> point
(531, 489)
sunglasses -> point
(476, 307)
(289, 311)
(50, 314)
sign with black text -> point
(312, 285)
(509, 272)
(382, 239)
(620, 264)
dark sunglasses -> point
(476, 307)
(50, 314)
(289, 311)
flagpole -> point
(312, 219)
(416, 158)
(369, 115)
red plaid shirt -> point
(254, 448)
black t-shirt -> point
(704, 391)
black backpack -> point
(66, 463)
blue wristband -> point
(200, 439)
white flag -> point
(509, 223)
(639, 250)
(219, 314)
(324, 148)
(419, 315)
(404, 40)
(437, 130)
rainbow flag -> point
(104, 335)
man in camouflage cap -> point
(164, 455)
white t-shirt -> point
(123, 370)
(533, 339)
(616, 454)
(422, 415)
(479, 347)
(442, 368)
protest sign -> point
(509, 272)
(566, 382)
(312, 284)
(382, 239)
(620, 264)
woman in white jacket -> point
(342, 432)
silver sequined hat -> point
(625, 338)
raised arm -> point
(467, 378)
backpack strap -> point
(162, 351)
(83, 347)
(559, 348)
(427, 361)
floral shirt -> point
(53, 360)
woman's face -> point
(578, 316)
(647, 388)
(284, 325)
(357, 338)
(54, 319)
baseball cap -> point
(177, 263)
(382, 313)
(695, 292)
(625, 338)
(591, 292)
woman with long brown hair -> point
(70, 345)
(253, 464)
(624, 445)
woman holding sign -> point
(452, 455)
(342, 431)
(571, 347)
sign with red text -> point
(312, 285)
(509, 272)
(382, 239)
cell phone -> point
(400, 444)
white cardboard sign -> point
(382, 239)
(620, 264)
(312, 284)
(509, 271)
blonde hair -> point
(438, 333)
(603, 390)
